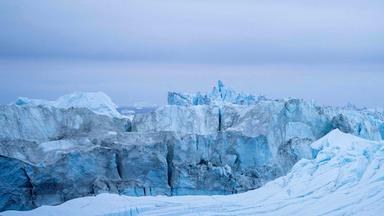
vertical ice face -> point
(43, 123)
(260, 138)
(346, 178)
(254, 115)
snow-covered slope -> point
(97, 102)
(345, 178)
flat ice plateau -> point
(345, 178)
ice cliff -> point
(345, 177)
(227, 143)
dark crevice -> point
(359, 129)
(118, 165)
(203, 162)
(220, 121)
(197, 142)
(128, 126)
(170, 167)
(145, 191)
(29, 186)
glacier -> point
(346, 177)
(219, 143)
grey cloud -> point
(194, 31)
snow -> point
(97, 102)
(345, 178)
(113, 133)
(56, 145)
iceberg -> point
(97, 102)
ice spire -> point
(220, 94)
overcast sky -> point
(295, 47)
